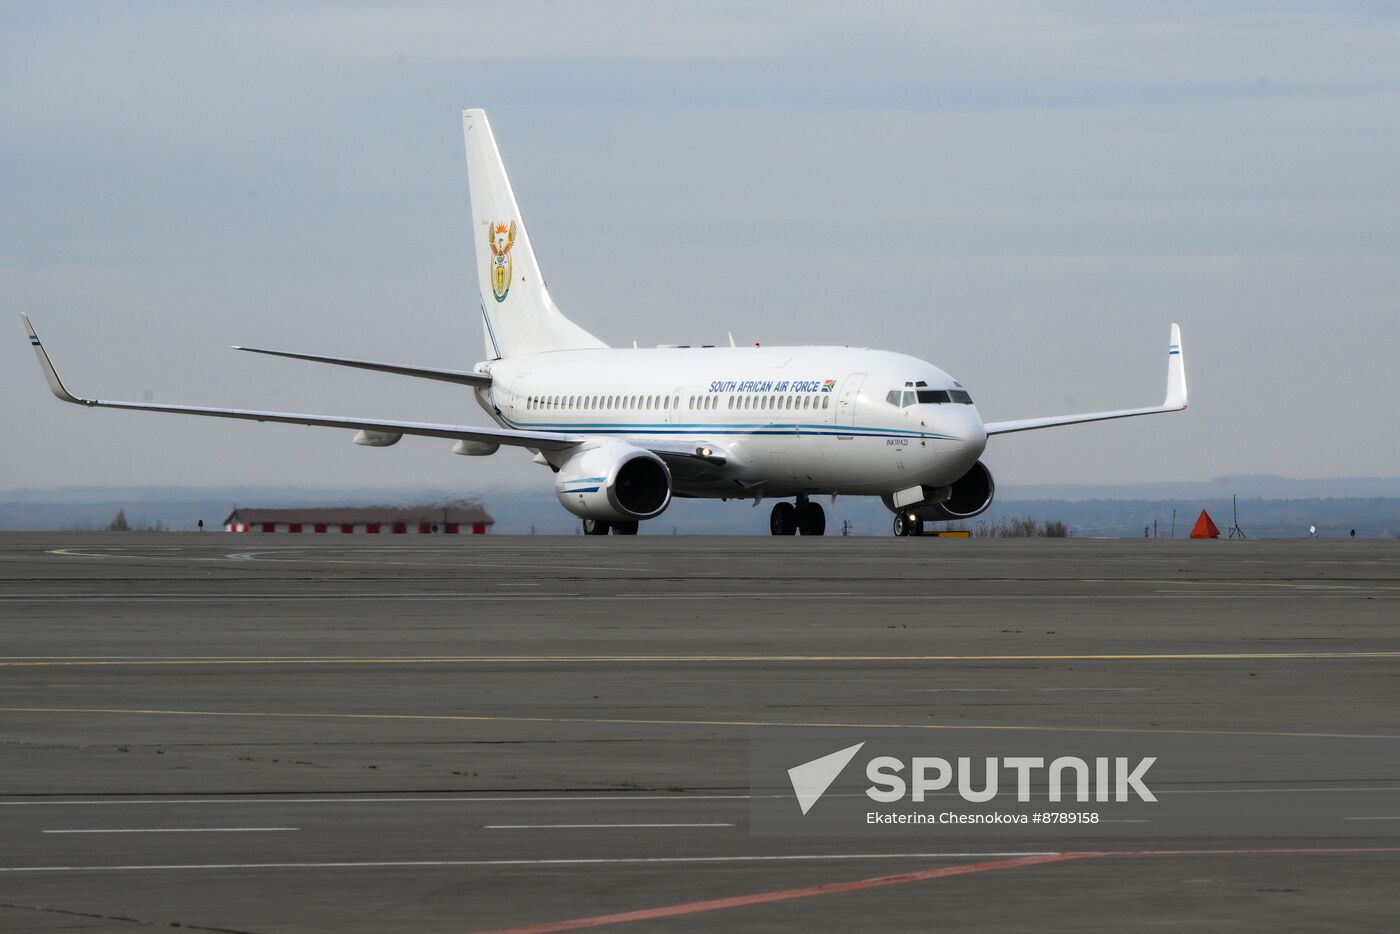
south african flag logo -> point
(828, 385)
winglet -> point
(1174, 402)
(1176, 372)
(55, 384)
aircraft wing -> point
(539, 440)
(480, 380)
(1174, 402)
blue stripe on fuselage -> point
(655, 428)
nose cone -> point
(973, 435)
(964, 439)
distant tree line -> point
(1025, 527)
(120, 524)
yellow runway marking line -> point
(640, 721)
(44, 661)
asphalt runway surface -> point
(261, 733)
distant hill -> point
(1252, 486)
(1270, 507)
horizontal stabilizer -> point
(480, 380)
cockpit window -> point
(924, 396)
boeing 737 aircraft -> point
(625, 430)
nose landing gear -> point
(907, 524)
(603, 527)
(806, 517)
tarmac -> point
(267, 733)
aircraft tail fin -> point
(518, 315)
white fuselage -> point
(791, 420)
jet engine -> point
(971, 494)
(614, 482)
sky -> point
(1026, 195)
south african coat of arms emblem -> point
(501, 238)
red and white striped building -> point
(465, 519)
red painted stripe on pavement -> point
(764, 898)
(1275, 851)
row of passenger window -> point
(911, 396)
(762, 402)
(595, 403)
(779, 402)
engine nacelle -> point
(616, 482)
(971, 494)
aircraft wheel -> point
(811, 519)
(625, 528)
(596, 526)
(902, 526)
(783, 521)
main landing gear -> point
(603, 527)
(906, 524)
(806, 517)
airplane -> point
(626, 430)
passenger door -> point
(514, 402)
(846, 405)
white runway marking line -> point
(591, 826)
(642, 596)
(491, 799)
(256, 556)
(1261, 791)
(145, 660)
(1397, 817)
(179, 830)
(578, 861)
(593, 800)
(1042, 690)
